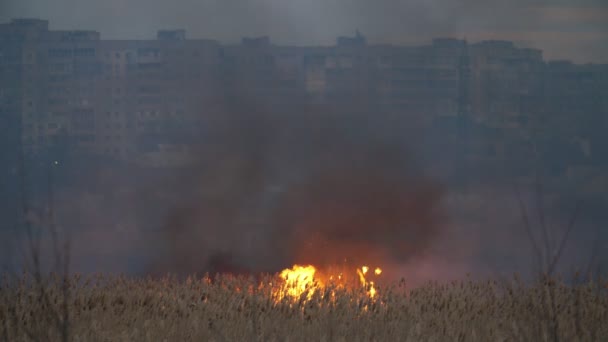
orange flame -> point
(306, 280)
(299, 280)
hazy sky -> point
(564, 29)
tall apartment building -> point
(69, 88)
(129, 99)
(16, 85)
(421, 82)
(507, 83)
(576, 107)
(153, 92)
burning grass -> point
(227, 308)
(304, 281)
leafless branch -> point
(527, 226)
(32, 265)
(594, 252)
(540, 206)
(562, 244)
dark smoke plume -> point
(323, 185)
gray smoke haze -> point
(314, 184)
(276, 185)
(565, 29)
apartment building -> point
(103, 96)
(137, 99)
(507, 83)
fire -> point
(299, 280)
(369, 285)
(306, 280)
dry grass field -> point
(112, 308)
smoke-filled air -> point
(319, 170)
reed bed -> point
(119, 308)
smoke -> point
(277, 185)
(363, 201)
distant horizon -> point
(238, 41)
(575, 30)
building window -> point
(84, 52)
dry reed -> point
(118, 308)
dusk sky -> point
(564, 29)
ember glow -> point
(303, 281)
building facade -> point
(131, 99)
